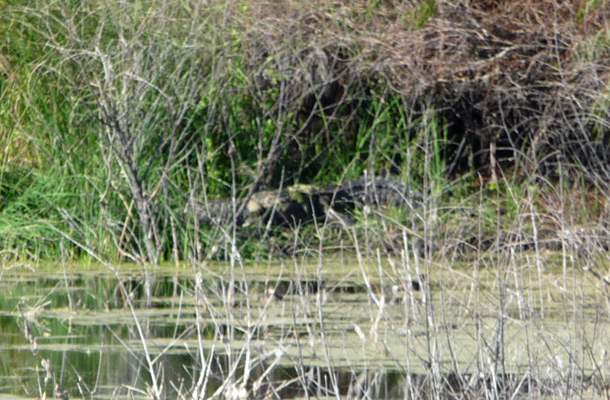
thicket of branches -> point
(528, 77)
(118, 118)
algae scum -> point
(355, 329)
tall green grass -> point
(119, 119)
(121, 114)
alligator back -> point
(381, 192)
(300, 204)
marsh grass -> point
(120, 121)
(508, 323)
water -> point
(291, 330)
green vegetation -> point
(148, 135)
(120, 120)
(418, 16)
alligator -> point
(300, 204)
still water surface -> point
(297, 328)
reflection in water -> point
(288, 338)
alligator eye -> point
(254, 207)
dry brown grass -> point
(524, 77)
